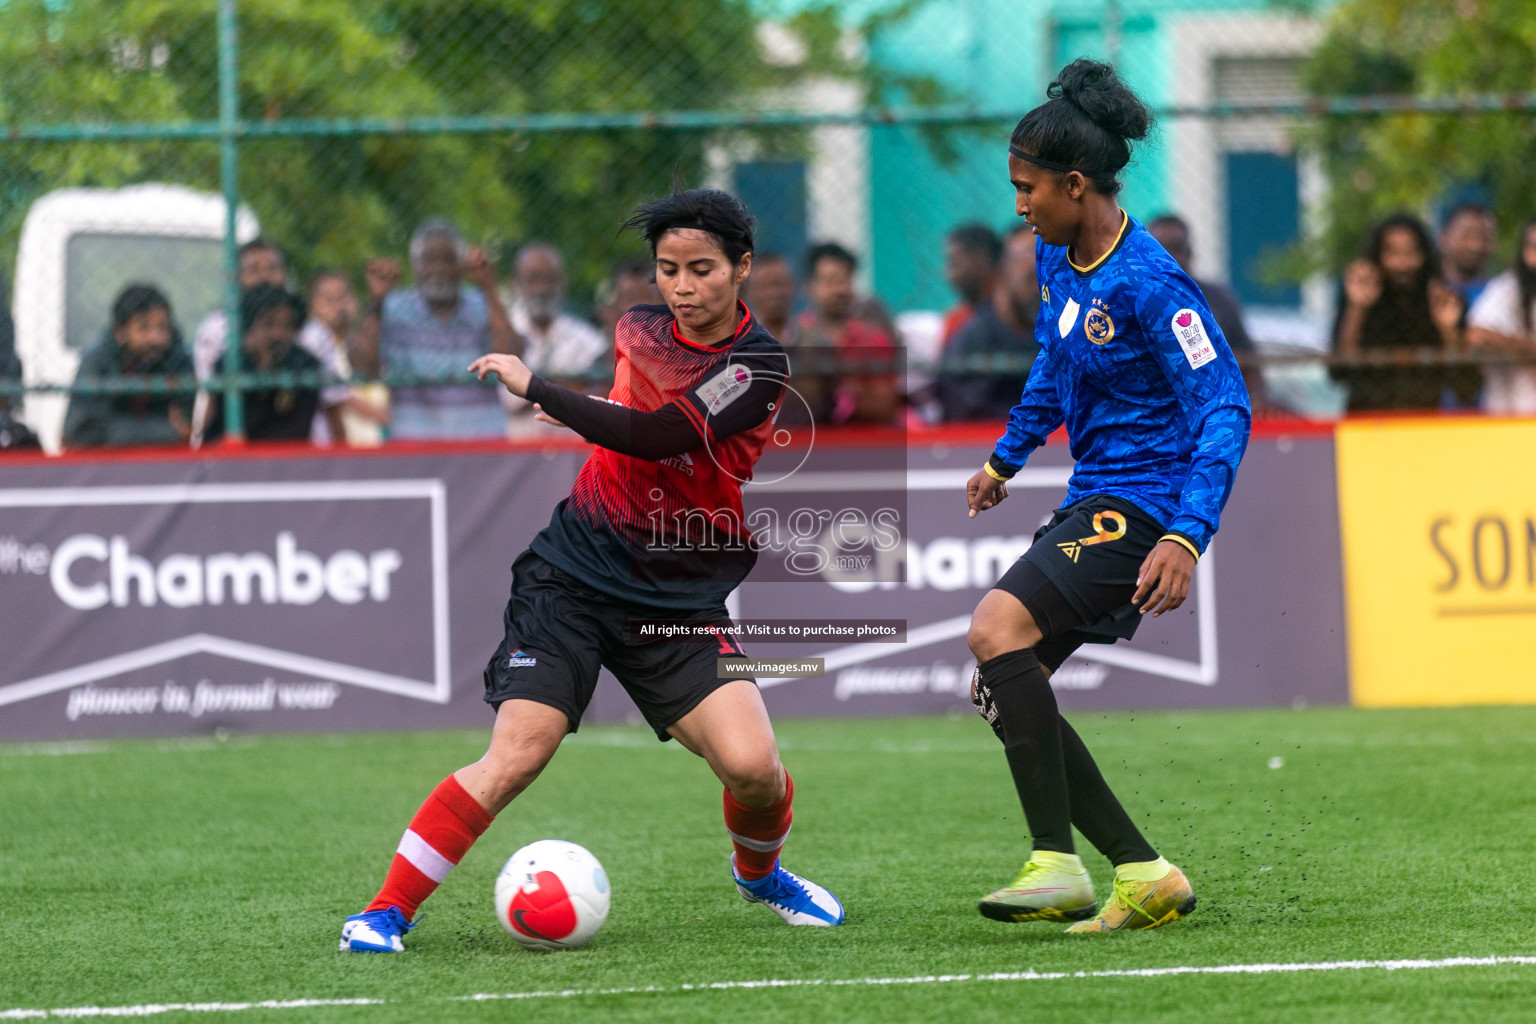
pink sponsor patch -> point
(1185, 318)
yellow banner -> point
(1439, 534)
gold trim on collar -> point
(1125, 222)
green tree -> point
(1426, 48)
(335, 199)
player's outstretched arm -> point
(644, 435)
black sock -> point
(1095, 810)
(1028, 722)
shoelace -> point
(1123, 894)
(391, 917)
(785, 891)
(1029, 868)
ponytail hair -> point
(1086, 125)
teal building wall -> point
(1002, 54)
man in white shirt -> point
(559, 346)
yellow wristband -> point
(1181, 541)
(994, 474)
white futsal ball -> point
(552, 895)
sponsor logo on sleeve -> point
(521, 659)
(1068, 318)
(1189, 330)
(724, 387)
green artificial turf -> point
(219, 871)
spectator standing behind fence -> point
(837, 328)
(556, 345)
(770, 294)
(632, 283)
(437, 328)
(1172, 233)
(1467, 237)
(1503, 319)
(269, 325)
(142, 343)
(972, 253)
(260, 262)
(1393, 297)
(332, 311)
(1004, 325)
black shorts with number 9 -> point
(1079, 575)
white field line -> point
(169, 745)
(153, 1009)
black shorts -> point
(558, 632)
(1079, 575)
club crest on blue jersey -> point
(1098, 325)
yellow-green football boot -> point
(1051, 887)
(1142, 902)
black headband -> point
(1052, 165)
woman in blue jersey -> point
(1133, 363)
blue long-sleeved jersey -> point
(1133, 362)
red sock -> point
(758, 833)
(440, 834)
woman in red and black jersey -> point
(696, 385)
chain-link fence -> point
(411, 181)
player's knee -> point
(977, 640)
(755, 781)
(998, 625)
(988, 640)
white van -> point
(81, 246)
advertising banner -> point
(1263, 625)
(1439, 531)
(365, 591)
(317, 593)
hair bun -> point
(1098, 91)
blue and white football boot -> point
(376, 931)
(793, 898)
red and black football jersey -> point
(671, 533)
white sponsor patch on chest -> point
(723, 388)
(1190, 332)
(1068, 317)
